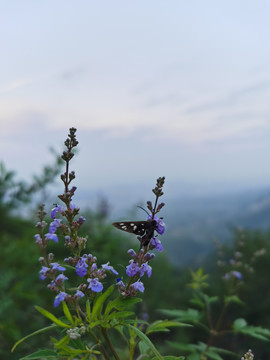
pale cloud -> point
(194, 80)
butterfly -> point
(144, 229)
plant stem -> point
(108, 340)
(99, 343)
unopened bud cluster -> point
(248, 356)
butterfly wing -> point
(134, 227)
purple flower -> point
(81, 267)
(54, 225)
(58, 208)
(79, 294)
(81, 220)
(160, 224)
(132, 253)
(73, 206)
(56, 266)
(138, 285)
(95, 285)
(149, 256)
(145, 268)
(237, 274)
(94, 267)
(119, 282)
(53, 286)
(43, 272)
(59, 298)
(60, 279)
(157, 244)
(51, 237)
(38, 239)
(132, 269)
(110, 268)
(232, 274)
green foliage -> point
(212, 323)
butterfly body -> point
(144, 229)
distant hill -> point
(193, 218)
(194, 222)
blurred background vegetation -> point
(21, 287)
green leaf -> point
(191, 315)
(181, 346)
(47, 328)
(135, 321)
(88, 310)
(119, 315)
(198, 302)
(170, 357)
(44, 354)
(233, 299)
(51, 317)
(59, 344)
(100, 300)
(146, 340)
(211, 299)
(162, 325)
(121, 304)
(144, 348)
(239, 324)
(194, 356)
(67, 312)
(222, 351)
(213, 355)
(102, 323)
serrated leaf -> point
(98, 303)
(67, 312)
(146, 340)
(51, 317)
(254, 331)
(47, 328)
(44, 354)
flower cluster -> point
(237, 265)
(65, 220)
(85, 266)
(139, 264)
(248, 356)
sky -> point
(174, 88)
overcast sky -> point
(174, 88)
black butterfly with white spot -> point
(144, 229)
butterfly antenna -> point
(144, 210)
